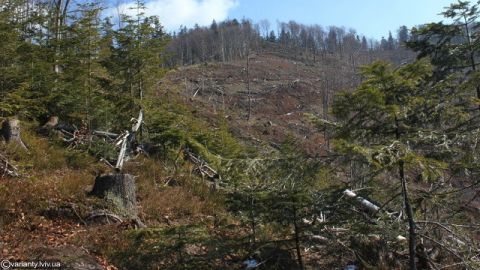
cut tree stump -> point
(11, 132)
(51, 123)
(49, 126)
(118, 188)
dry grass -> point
(160, 203)
(54, 177)
(175, 203)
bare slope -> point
(282, 92)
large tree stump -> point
(118, 188)
(11, 132)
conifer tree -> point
(79, 94)
(390, 42)
(272, 37)
(402, 35)
(9, 59)
(452, 47)
(136, 59)
(385, 122)
(26, 76)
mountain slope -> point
(282, 91)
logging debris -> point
(203, 168)
(7, 168)
(368, 206)
(74, 137)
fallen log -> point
(203, 168)
(366, 204)
(370, 207)
(202, 165)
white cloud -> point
(174, 13)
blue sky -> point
(373, 18)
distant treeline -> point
(233, 39)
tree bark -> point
(11, 132)
(120, 188)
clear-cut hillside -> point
(282, 91)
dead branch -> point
(123, 149)
(449, 250)
(126, 139)
(73, 207)
(137, 122)
(107, 163)
(202, 166)
(457, 239)
(75, 137)
(105, 134)
(8, 168)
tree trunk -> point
(248, 88)
(11, 132)
(297, 238)
(252, 220)
(412, 235)
(120, 189)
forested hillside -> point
(233, 40)
(238, 145)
